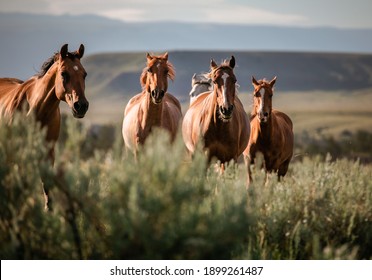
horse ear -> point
(254, 82)
(165, 56)
(272, 82)
(80, 51)
(149, 57)
(64, 51)
(213, 64)
(232, 62)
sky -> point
(314, 13)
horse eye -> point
(149, 70)
(257, 94)
(65, 77)
(85, 75)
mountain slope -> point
(118, 74)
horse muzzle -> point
(157, 95)
(263, 117)
(80, 108)
(226, 112)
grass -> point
(166, 206)
(328, 113)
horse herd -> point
(215, 117)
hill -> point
(118, 74)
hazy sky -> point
(335, 13)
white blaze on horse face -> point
(75, 68)
(224, 95)
(260, 114)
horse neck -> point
(151, 112)
(42, 98)
(263, 131)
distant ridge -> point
(118, 74)
(27, 40)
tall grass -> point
(165, 205)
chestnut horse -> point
(62, 78)
(154, 106)
(218, 118)
(271, 132)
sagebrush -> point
(167, 205)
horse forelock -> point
(157, 59)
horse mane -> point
(50, 61)
(171, 70)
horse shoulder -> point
(193, 122)
(284, 133)
(169, 98)
(283, 118)
(132, 102)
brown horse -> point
(154, 106)
(271, 132)
(62, 78)
(218, 118)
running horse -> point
(271, 132)
(217, 118)
(154, 106)
(62, 78)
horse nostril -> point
(81, 106)
(266, 114)
(162, 92)
(77, 106)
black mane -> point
(50, 61)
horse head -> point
(224, 81)
(70, 80)
(262, 99)
(154, 78)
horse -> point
(199, 83)
(217, 118)
(271, 132)
(61, 78)
(154, 106)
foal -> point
(271, 132)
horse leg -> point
(247, 162)
(47, 200)
(283, 169)
(266, 178)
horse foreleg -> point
(283, 169)
(47, 199)
(247, 162)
